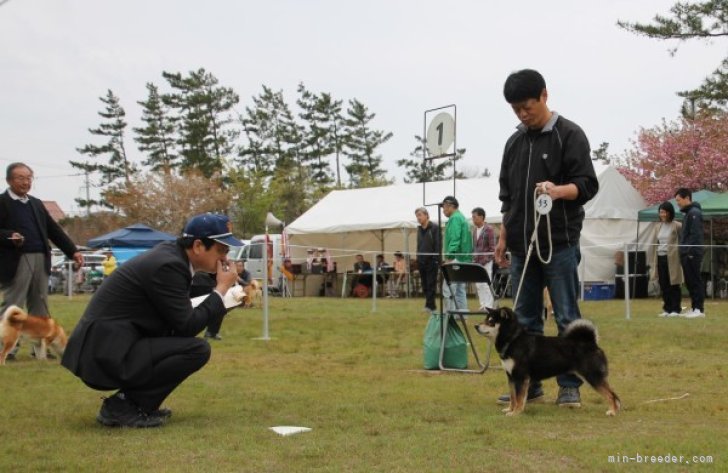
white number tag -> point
(544, 204)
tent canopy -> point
(616, 199)
(716, 205)
(137, 236)
(652, 214)
(393, 207)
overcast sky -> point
(400, 58)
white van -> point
(252, 254)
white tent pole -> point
(374, 286)
(405, 233)
(69, 279)
(627, 308)
(265, 287)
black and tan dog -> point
(527, 357)
(16, 322)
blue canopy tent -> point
(129, 241)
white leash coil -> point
(542, 206)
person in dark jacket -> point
(137, 334)
(204, 283)
(428, 256)
(691, 251)
(548, 154)
(25, 254)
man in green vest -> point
(458, 246)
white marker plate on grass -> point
(289, 430)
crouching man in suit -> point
(138, 333)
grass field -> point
(354, 377)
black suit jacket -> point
(363, 266)
(49, 229)
(145, 298)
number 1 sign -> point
(438, 129)
(440, 135)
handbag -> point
(456, 348)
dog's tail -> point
(582, 331)
(14, 314)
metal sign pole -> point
(627, 307)
(265, 287)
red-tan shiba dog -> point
(16, 322)
(253, 294)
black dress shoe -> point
(117, 411)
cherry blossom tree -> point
(690, 153)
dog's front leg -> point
(512, 394)
(41, 350)
(521, 392)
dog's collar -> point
(517, 334)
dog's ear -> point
(506, 313)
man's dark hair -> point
(187, 242)
(12, 167)
(479, 211)
(667, 207)
(523, 85)
(451, 200)
(685, 193)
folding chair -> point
(464, 273)
(501, 286)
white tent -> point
(382, 220)
(611, 221)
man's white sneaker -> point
(694, 314)
(673, 314)
(663, 314)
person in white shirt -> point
(483, 249)
(665, 265)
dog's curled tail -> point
(582, 331)
(14, 314)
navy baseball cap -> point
(211, 226)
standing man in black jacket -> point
(137, 334)
(428, 256)
(548, 154)
(691, 251)
(25, 254)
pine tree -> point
(322, 118)
(116, 165)
(360, 146)
(274, 139)
(706, 20)
(204, 107)
(157, 138)
(275, 151)
(419, 170)
(331, 113)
